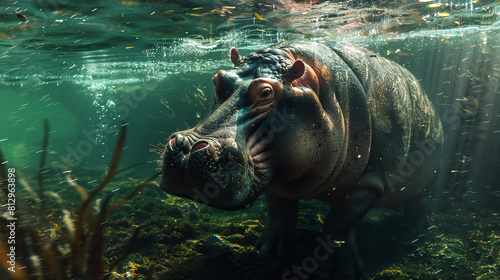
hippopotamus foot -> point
(416, 219)
(278, 238)
(339, 224)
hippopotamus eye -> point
(266, 93)
(262, 94)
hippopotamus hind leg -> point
(278, 238)
(415, 213)
(340, 223)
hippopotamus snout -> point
(207, 170)
(184, 144)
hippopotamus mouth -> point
(216, 172)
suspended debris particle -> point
(443, 14)
(258, 16)
(373, 55)
(22, 17)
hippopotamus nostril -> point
(199, 145)
(171, 143)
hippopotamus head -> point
(253, 138)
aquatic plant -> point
(78, 252)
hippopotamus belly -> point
(303, 120)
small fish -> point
(22, 17)
(320, 219)
(258, 16)
(436, 5)
(469, 112)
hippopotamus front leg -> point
(339, 226)
(278, 238)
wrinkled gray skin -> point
(308, 121)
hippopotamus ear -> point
(235, 56)
(297, 70)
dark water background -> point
(89, 66)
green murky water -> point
(89, 67)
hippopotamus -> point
(330, 122)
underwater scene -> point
(150, 139)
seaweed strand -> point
(96, 266)
(81, 191)
(19, 274)
(78, 244)
(50, 257)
